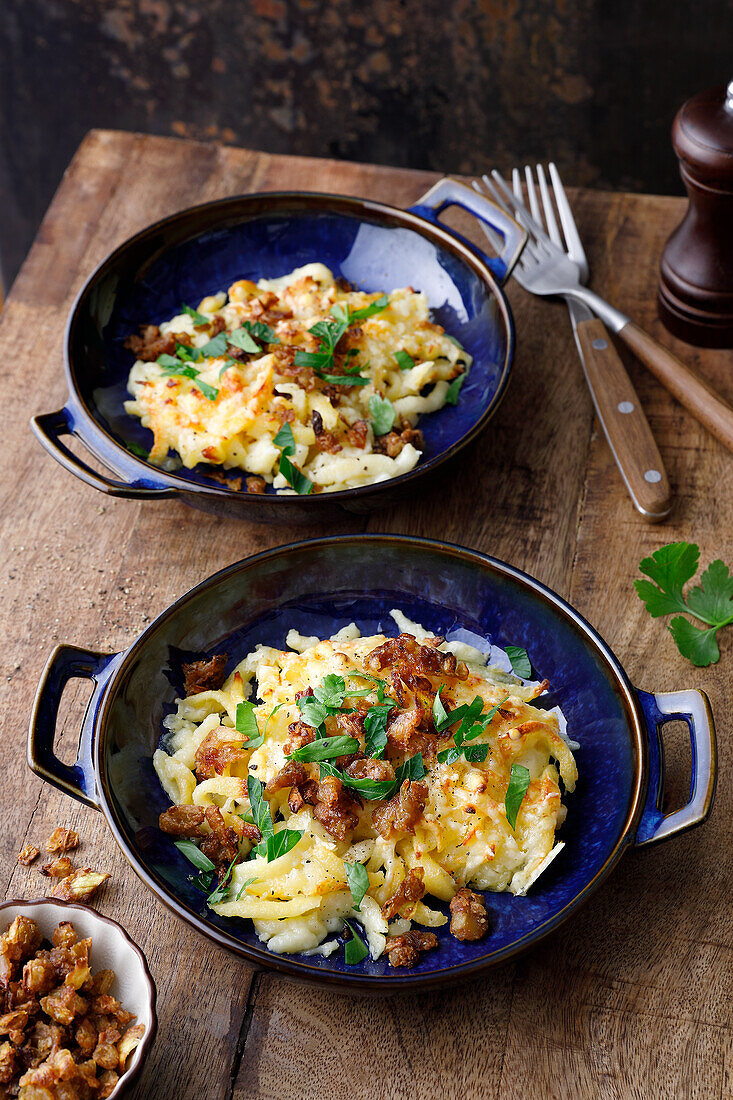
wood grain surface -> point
(632, 997)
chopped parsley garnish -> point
(520, 661)
(413, 768)
(451, 396)
(329, 332)
(198, 318)
(373, 789)
(354, 949)
(472, 724)
(382, 413)
(187, 354)
(285, 440)
(518, 784)
(358, 880)
(194, 855)
(710, 602)
(272, 844)
(261, 331)
(242, 339)
(326, 748)
(375, 729)
(136, 449)
(216, 347)
(172, 366)
(246, 724)
(404, 360)
(222, 889)
(243, 887)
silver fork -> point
(545, 269)
(614, 397)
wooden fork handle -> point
(701, 400)
(624, 423)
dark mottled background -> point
(422, 83)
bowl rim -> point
(124, 463)
(261, 958)
(143, 1049)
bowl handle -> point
(449, 192)
(47, 429)
(693, 707)
(66, 663)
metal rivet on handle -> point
(652, 476)
(599, 345)
(625, 407)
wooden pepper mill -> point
(696, 277)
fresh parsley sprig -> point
(171, 365)
(326, 748)
(354, 949)
(518, 783)
(285, 440)
(520, 662)
(273, 845)
(246, 724)
(472, 724)
(372, 789)
(710, 602)
(329, 332)
(382, 412)
(358, 880)
(454, 389)
(198, 318)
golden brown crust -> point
(409, 891)
(58, 868)
(403, 811)
(469, 920)
(405, 950)
(67, 1040)
(27, 854)
(80, 885)
(62, 840)
(205, 675)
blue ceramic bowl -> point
(204, 249)
(319, 586)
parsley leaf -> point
(279, 844)
(168, 362)
(404, 360)
(382, 414)
(216, 347)
(354, 949)
(331, 691)
(358, 880)
(209, 392)
(187, 354)
(261, 331)
(670, 568)
(260, 807)
(285, 440)
(375, 729)
(243, 887)
(240, 338)
(171, 365)
(413, 768)
(198, 318)
(194, 855)
(221, 891)
(518, 784)
(246, 724)
(136, 449)
(312, 710)
(326, 748)
(520, 661)
(455, 341)
(451, 396)
(371, 788)
(473, 724)
(377, 306)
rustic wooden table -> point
(632, 997)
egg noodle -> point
(348, 372)
(461, 833)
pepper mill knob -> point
(696, 272)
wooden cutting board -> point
(630, 998)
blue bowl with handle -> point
(198, 251)
(319, 586)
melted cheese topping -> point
(255, 397)
(463, 836)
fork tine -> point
(550, 219)
(575, 245)
(530, 247)
(534, 206)
(494, 237)
(520, 211)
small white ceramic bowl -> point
(112, 949)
